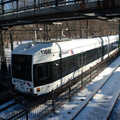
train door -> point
(108, 46)
(84, 59)
(82, 62)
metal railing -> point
(18, 6)
(15, 6)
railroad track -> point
(45, 109)
(9, 109)
(103, 107)
(16, 108)
(7, 105)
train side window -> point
(72, 63)
(84, 58)
(80, 59)
(42, 71)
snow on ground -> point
(10, 112)
(100, 104)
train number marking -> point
(46, 51)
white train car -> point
(39, 68)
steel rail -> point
(93, 96)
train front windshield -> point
(21, 67)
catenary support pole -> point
(3, 63)
(119, 36)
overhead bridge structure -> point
(19, 12)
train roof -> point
(55, 46)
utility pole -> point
(2, 46)
(87, 29)
(3, 59)
(119, 35)
(11, 40)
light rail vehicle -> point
(38, 68)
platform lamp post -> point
(35, 36)
(58, 23)
(62, 32)
(40, 29)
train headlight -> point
(29, 90)
(38, 89)
(15, 86)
